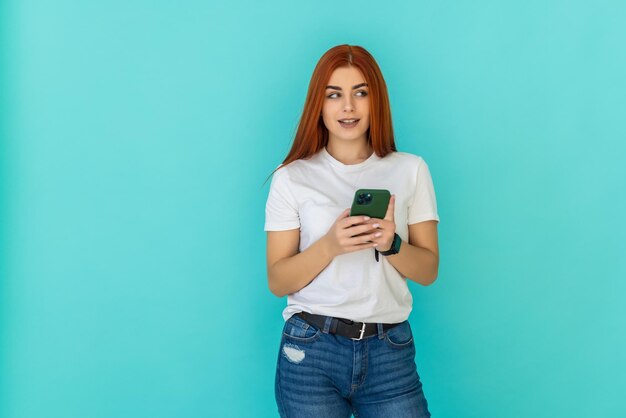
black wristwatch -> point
(395, 247)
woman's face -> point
(346, 98)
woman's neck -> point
(349, 152)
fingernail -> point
(375, 226)
(366, 218)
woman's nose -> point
(348, 104)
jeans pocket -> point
(297, 329)
(400, 336)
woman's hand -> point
(387, 227)
(354, 233)
(348, 234)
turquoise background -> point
(136, 137)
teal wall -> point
(136, 136)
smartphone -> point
(370, 202)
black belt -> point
(345, 327)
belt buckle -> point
(362, 332)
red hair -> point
(312, 134)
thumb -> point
(391, 208)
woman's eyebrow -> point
(353, 87)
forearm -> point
(291, 274)
(415, 263)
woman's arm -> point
(418, 259)
(289, 270)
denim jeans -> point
(322, 375)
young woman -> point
(347, 346)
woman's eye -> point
(364, 93)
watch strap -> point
(395, 246)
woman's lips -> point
(349, 125)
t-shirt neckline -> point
(348, 167)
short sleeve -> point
(281, 208)
(423, 205)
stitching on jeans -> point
(396, 345)
(304, 340)
(281, 407)
(400, 345)
(366, 356)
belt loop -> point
(333, 325)
(327, 324)
(381, 334)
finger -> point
(344, 214)
(359, 230)
(363, 246)
(391, 208)
(368, 229)
(353, 220)
(364, 238)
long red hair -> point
(312, 134)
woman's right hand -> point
(349, 234)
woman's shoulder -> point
(301, 164)
(405, 157)
(294, 170)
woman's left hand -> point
(386, 226)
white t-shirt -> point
(311, 194)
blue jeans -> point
(322, 375)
